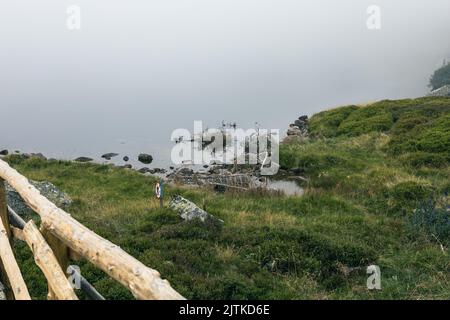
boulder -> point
(108, 156)
(441, 92)
(185, 171)
(38, 156)
(145, 158)
(47, 189)
(83, 159)
(294, 131)
(189, 210)
(4, 152)
(126, 158)
(144, 170)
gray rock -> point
(185, 171)
(144, 170)
(294, 131)
(126, 158)
(38, 156)
(47, 189)
(145, 158)
(108, 156)
(128, 166)
(300, 128)
(4, 152)
(189, 211)
(441, 92)
(83, 159)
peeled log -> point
(46, 261)
(143, 282)
(11, 268)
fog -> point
(137, 70)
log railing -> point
(63, 238)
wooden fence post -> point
(61, 253)
(10, 269)
(4, 208)
(4, 217)
(61, 288)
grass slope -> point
(369, 168)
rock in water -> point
(189, 211)
(4, 153)
(145, 158)
(126, 158)
(47, 189)
(108, 156)
(83, 159)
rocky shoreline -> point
(242, 176)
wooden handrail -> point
(142, 281)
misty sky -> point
(139, 69)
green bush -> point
(326, 123)
(431, 137)
(403, 197)
(425, 159)
(431, 221)
(366, 120)
(405, 124)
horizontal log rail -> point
(142, 281)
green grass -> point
(358, 210)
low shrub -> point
(431, 220)
(425, 159)
(405, 196)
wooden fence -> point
(59, 240)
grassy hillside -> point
(378, 177)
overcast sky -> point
(139, 69)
